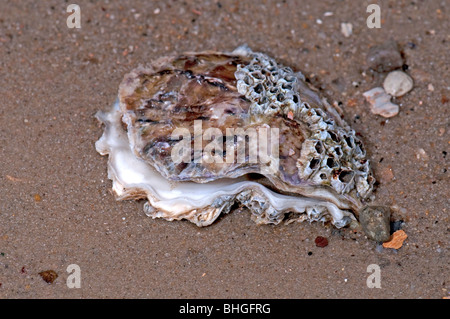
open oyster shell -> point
(318, 170)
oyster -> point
(190, 134)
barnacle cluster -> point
(331, 154)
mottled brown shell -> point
(176, 92)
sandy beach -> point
(56, 204)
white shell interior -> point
(199, 203)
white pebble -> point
(346, 29)
(430, 87)
(422, 155)
(398, 83)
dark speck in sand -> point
(396, 225)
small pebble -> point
(49, 276)
(430, 87)
(346, 29)
(380, 102)
(422, 155)
(321, 241)
(375, 222)
(385, 57)
(398, 83)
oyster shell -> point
(317, 170)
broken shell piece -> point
(346, 29)
(380, 102)
(318, 173)
(397, 240)
(398, 83)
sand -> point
(56, 207)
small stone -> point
(422, 155)
(375, 222)
(380, 102)
(398, 83)
(430, 87)
(346, 29)
(385, 57)
(321, 241)
(49, 276)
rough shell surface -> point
(321, 168)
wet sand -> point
(56, 207)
